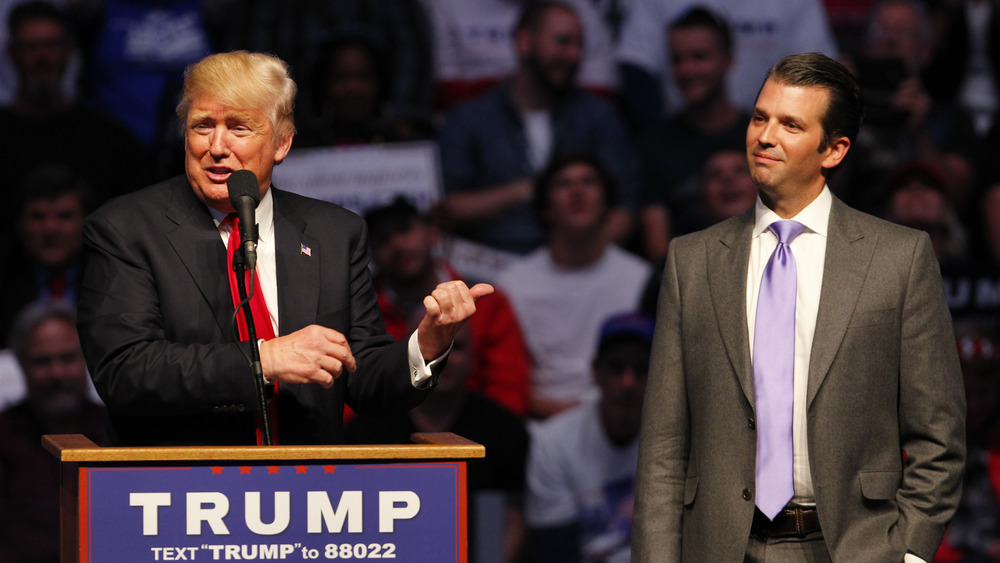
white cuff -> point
(420, 371)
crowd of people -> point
(577, 137)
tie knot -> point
(786, 230)
(231, 220)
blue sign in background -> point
(114, 528)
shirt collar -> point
(815, 216)
(264, 215)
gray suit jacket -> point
(886, 412)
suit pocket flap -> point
(690, 488)
(874, 317)
(880, 485)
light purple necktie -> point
(773, 365)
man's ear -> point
(284, 145)
(522, 42)
(835, 152)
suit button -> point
(751, 424)
(747, 495)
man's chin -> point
(58, 406)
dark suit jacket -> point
(155, 310)
(883, 377)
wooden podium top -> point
(76, 448)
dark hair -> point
(391, 218)
(700, 16)
(343, 38)
(846, 109)
(556, 164)
(33, 11)
(50, 181)
(534, 11)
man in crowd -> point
(581, 467)
(492, 147)
(403, 244)
(47, 348)
(762, 32)
(674, 150)
(51, 126)
(565, 289)
(44, 262)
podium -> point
(403, 502)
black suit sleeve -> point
(141, 362)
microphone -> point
(244, 195)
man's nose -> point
(628, 377)
(218, 144)
(765, 135)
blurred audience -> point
(965, 69)
(452, 408)
(491, 147)
(44, 124)
(917, 198)
(581, 465)
(47, 347)
(474, 48)
(848, 19)
(763, 32)
(903, 121)
(8, 76)
(134, 55)
(990, 209)
(44, 263)
(299, 32)
(674, 151)
(973, 535)
(349, 96)
(403, 244)
(726, 191)
(565, 289)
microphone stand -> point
(257, 371)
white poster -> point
(362, 177)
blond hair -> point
(246, 81)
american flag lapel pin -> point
(306, 250)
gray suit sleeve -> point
(931, 409)
(665, 435)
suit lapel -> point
(728, 257)
(197, 243)
(297, 260)
(849, 253)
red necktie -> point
(57, 287)
(258, 309)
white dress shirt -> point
(809, 250)
(420, 371)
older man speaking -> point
(156, 300)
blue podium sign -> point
(400, 511)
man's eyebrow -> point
(198, 116)
(229, 115)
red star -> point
(244, 470)
(329, 468)
(216, 471)
(300, 469)
(272, 469)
